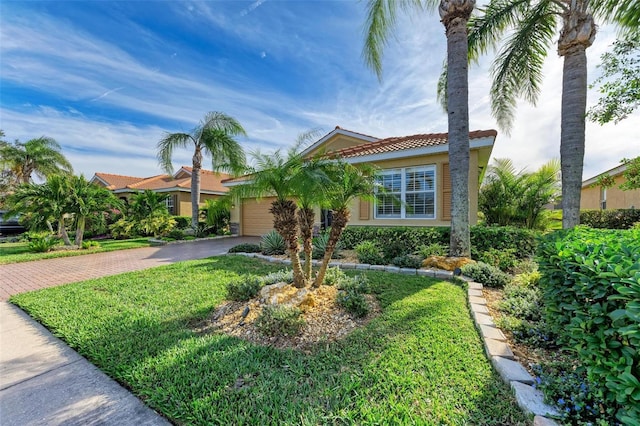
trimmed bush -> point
(486, 274)
(522, 241)
(272, 243)
(591, 286)
(369, 252)
(90, 244)
(407, 261)
(504, 259)
(244, 288)
(245, 248)
(280, 320)
(176, 234)
(610, 219)
(410, 237)
(351, 295)
(433, 249)
(182, 222)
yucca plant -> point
(272, 243)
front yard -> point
(20, 252)
(420, 362)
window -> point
(409, 193)
(170, 204)
(603, 197)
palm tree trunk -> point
(284, 222)
(454, 17)
(80, 231)
(62, 232)
(340, 220)
(577, 34)
(195, 187)
(306, 218)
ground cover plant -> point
(21, 252)
(419, 361)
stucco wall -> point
(616, 197)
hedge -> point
(591, 285)
(610, 219)
(407, 239)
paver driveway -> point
(18, 278)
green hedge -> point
(610, 219)
(591, 284)
(483, 238)
(182, 222)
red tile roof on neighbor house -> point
(209, 181)
(404, 142)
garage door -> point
(256, 219)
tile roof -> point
(404, 142)
(209, 181)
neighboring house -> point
(177, 186)
(596, 197)
(415, 167)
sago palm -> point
(40, 156)
(532, 27)
(214, 136)
(454, 16)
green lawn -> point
(19, 252)
(420, 362)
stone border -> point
(157, 242)
(530, 399)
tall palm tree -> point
(348, 182)
(214, 136)
(454, 16)
(40, 156)
(517, 70)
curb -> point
(529, 399)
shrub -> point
(610, 219)
(591, 287)
(203, 230)
(280, 320)
(320, 247)
(504, 259)
(334, 276)
(433, 249)
(176, 234)
(522, 241)
(245, 248)
(394, 249)
(357, 284)
(486, 274)
(368, 252)
(273, 244)
(182, 222)
(522, 301)
(351, 295)
(409, 237)
(407, 261)
(157, 225)
(89, 244)
(123, 228)
(282, 276)
(42, 243)
(244, 288)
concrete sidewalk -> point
(44, 382)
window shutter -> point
(364, 209)
(446, 192)
(174, 204)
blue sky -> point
(106, 79)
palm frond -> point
(226, 153)
(223, 122)
(167, 144)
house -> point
(415, 167)
(595, 197)
(177, 186)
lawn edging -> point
(530, 399)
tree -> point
(454, 15)
(631, 175)
(531, 26)
(508, 197)
(41, 156)
(619, 82)
(214, 136)
(348, 182)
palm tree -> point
(40, 156)
(148, 203)
(213, 136)
(454, 15)
(348, 182)
(517, 70)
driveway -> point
(18, 278)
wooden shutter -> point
(446, 192)
(364, 209)
(174, 207)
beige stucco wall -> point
(616, 197)
(184, 202)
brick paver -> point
(18, 278)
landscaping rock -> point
(532, 400)
(511, 371)
(498, 348)
(446, 263)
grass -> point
(19, 252)
(420, 362)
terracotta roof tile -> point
(209, 181)
(117, 181)
(404, 142)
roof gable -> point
(336, 140)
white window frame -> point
(404, 215)
(168, 202)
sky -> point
(107, 79)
